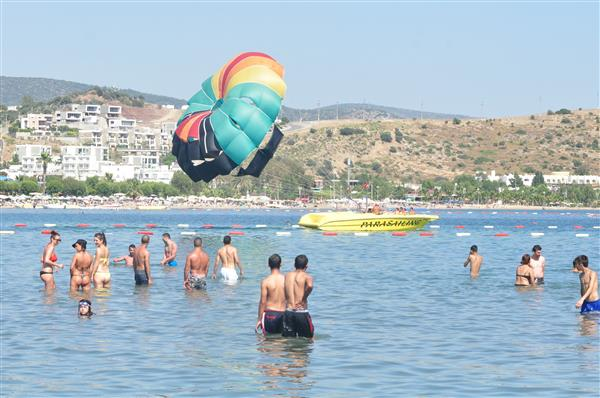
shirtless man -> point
(196, 267)
(81, 267)
(538, 263)
(272, 299)
(128, 258)
(228, 256)
(475, 260)
(170, 251)
(141, 263)
(298, 285)
(588, 279)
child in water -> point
(85, 308)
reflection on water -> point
(588, 324)
(284, 362)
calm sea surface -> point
(394, 316)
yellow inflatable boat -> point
(352, 221)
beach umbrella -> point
(228, 119)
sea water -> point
(394, 315)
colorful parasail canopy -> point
(229, 117)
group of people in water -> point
(283, 306)
(530, 272)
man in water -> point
(228, 256)
(141, 263)
(128, 258)
(298, 285)
(588, 279)
(272, 299)
(538, 263)
(81, 267)
(170, 251)
(196, 267)
(475, 260)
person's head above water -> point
(145, 239)
(226, 239)
(81, 244)
(536, 248)
(301, 262)
(474, 249)
(85, 308)
(55, 237)
(198, 242)
(275, 261)
(525, 259)
(581, 260)
(166, 236)
(131, 249)
(99, 237)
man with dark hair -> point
(298, 285)
(128, 258)
(475, 260)
(196, 267)
(538, 263)
(141, 263)
(588, 279)
(228, 256)
(170, 251)
(272, 299)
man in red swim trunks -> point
(272, 299)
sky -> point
(486, 59)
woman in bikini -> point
(524, 275)
(49, 261)
(81, 267)
(100, 271)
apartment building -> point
(37, 121)
(167, 129)
(30, 157)
(111, 111)
(81, 162)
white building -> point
(111, 111)
(30, 157)
(81, 162)
(555, 178)
(37, 121)
(167, 129)
(121, 124)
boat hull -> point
(348, 221)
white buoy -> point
(49, 225)
(183, 225)
(283, 233)
(596, 227)
(463, 234)
(537, 234)
(552, 227)
(434, 226)
(189, 233)
(260, 226)
(494, 212)
(7, 232)
(488, 226)
(582, 235)
(361, 234)
(295, 226)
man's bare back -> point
(141, 263)
(475, 261)
(298, 285)
(196, 267)
(228, 257)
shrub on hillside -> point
(386, 136)
(456, 121)
(351, 131)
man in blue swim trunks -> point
(170, 251)
(588, 278)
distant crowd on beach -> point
(283, 305)
(530, 272)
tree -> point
(456, 121)
(168, 159)
(46, 158)
(55, 186)
(516, 181)
(15, 159)
(28, 186)
(538, 179)
(181, 182)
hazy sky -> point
(475, 58)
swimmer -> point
(524, 276)
(128, 258)
(228, 256)
(141, 263)
(298, 285)
(85, 308)
(475, 260)
(538, 263)
(49, 261)
(196, 267)
(588, 278)
(170, 251)
(376, 209)
(100, 271)
(412, 211)
(271, 306)
(81, 267)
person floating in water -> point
(475, 260)
(170, 251)
(271, 306)
(228, 256)
(85, 308)
(49, 261)
(81, 267)
(538, 263)
(100, 271)
(588, 279)
(141, 263)
(298, 285)
(128, 258)
(196, 267)
(524, 276)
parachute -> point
(229, 117)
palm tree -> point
(46, 158)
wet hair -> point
(474, 248)
(301, 261)
(536, 248)
(576, 261)
(525, 259)
(198, 242)
(89, 304)
(227, 239)
(101, 236)
(132, 246)
(275, 261)
(583, 260)
(145, 239)
(167, 235)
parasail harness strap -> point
(262, 156)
